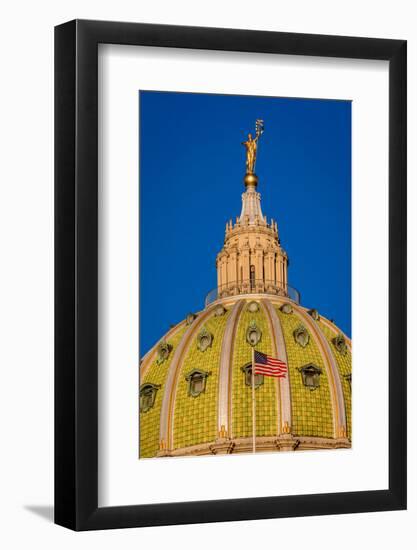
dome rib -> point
(336, 393)
(156, 373)
(240, 419)
(166, 432)
(284, 386)
(223, 411)
(195, 416)
(344, 363)
(275, 354)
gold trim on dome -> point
(222, 432)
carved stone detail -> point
(220, 310)
(253, 307)
(339, 343)
(222, 446)
(147, 395)
(190, 318)
(253, 334)
(164, 349)
(287, 442)
(314, 314)
(204, 339)
(301, 336)
(286, 308)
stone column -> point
(232, 270)
(259, 265)
(267, 261)
(245, 263)
(222, 273)
(278, 269)
(284, 265)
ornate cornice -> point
(283, 443)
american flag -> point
(269, 366)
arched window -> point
(311, 376)
(247, 370)
(147, 395)
(197, 380)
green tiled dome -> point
(195, 397)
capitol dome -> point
(196, 383)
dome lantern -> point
(252, 259)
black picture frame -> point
(76, 273)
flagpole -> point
(253, 403)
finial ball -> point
(251, 179)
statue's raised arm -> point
(251, 147)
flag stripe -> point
(279, 371)
(275, 361)
(273, 369)
(276, 374)
(269, 366)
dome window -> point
(147, 395)
(164, 349)
(311, 376)
(253, 334)
(197, 380)
(314, 314)
(247, 370)
(301, 336)
(204, 339)
(339, 343)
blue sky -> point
(192, 166)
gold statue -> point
(252, 146)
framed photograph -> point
(230, 275)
